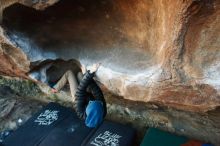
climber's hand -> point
(94, 67)
(54, 90)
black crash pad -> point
(38, 126)
(72, 132)
(62, 127)
(112, 134)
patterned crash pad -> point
(112, 134)
(71, 132)
(56, 125)
(38, 127)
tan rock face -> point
(13, 61)
(158, 51)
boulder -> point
(163, 52)
(160, 52)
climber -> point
(89, 102)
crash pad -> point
(38, 126)
(156, 137)
(71, 132)
(56, 125)
(112, 134)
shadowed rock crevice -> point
(53, 70)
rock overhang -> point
(146, 48)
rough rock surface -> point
(14, 108)
(161, 52)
